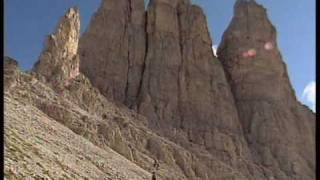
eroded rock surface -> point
(83, 110)
(151, 88)
(59, 62)
(177, 84)
(279, 130)
(38, 147)
(184, 93)
(112, 49)
(11, 70)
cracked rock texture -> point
(184, 92)
(141, 85)
(78, 127)
(181, 87)
(112, 49)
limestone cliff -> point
(59, 62)
(112, 49)
(184, 92)
(279, 130)
(143, 85)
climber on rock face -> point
(156, 164)
(153, 176)
(156, 168)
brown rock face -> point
(10, 73)
(113, 48)
(184, 87)
(177, 83)
(200, 117)
(279, 130)
(160, 88)
(168, 64)
(59, 62)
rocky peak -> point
(165, 69)
(115, 64)
(59, 61)
(200, 117)
(274, 122)
(253, 57)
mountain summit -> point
(59, 62)
(270, 114)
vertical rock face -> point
(160, 88)
(165, 70)
(184, 93)
(256, 35)
(243, 113)
(184, 87)
(59, 62)
(237, 118)
(277, 127)
(112, 50)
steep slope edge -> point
(38, 147)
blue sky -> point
(28, 22)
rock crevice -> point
(119, 51)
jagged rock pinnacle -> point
(59, 62)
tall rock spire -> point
(184, 92)
(279, 130)
(256, 54)
(59, 61)
(181, 73)
(112, 49)
(161, 63)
